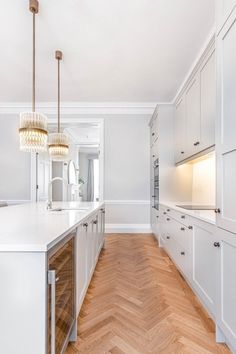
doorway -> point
(86, 153)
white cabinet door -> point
(193, 117)
(205, 263)
(208, 101)
(226, 127)
(81, 265)
(223, 11)
(226, 309)
(180, 131)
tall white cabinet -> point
(226, 170)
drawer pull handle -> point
(190, 227)
(216, 244)
(182, 229)
(182, 216)
(182, 253)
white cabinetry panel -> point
(205, 264)
(227, 292)
(208, 101)
(226, 126)
(180, 130)
(192, 100)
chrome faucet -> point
(49, 201)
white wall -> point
(127, 174)
(204, 181)
(14, 164)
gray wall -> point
(14, 164)
(126, 168)
(127, 180)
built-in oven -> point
(156, 184)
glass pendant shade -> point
(58, 146)
(33, 132)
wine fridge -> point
(61, 294)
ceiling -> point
(114, 51)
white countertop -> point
(204, 215)
(32, 228)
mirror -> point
(71, 172)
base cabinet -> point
(205, 255)
(226, 300)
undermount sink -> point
(65, 209)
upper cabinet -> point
(195, 110)
(223, 10)
(192, 102)
(180, 130)
(207, 76)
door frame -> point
(72, 120)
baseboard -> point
(128, 228)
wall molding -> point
(128, 228)
(83, 109)
(15, 202)
(127, 202)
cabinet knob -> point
(168, 210)
(216, 244)
(164, 213)
(168, 237)
(182, 253)
(182, 229)
(196, 143)
(153, 196)
(168, 219)
(182, 216)
(182, 152)
(95, 222)
(217, 211)
(85, 225)
(153, 134)
(157, 216)
(190, 227)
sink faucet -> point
(49, 201)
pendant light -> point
(33, 125)
(58, 142)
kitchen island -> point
(47, 259)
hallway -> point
(138, 303)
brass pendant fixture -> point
(58, 142)
(33, 125)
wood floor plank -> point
(138, 303)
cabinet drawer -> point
(179, 256)
(181, 217)
(179, 232)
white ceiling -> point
(118, 51)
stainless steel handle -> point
(52, 282)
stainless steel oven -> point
(156, 184)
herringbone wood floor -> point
(138, 303)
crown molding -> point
(83, 109)
(206, 47)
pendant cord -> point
(33, 93)
(59, 96)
